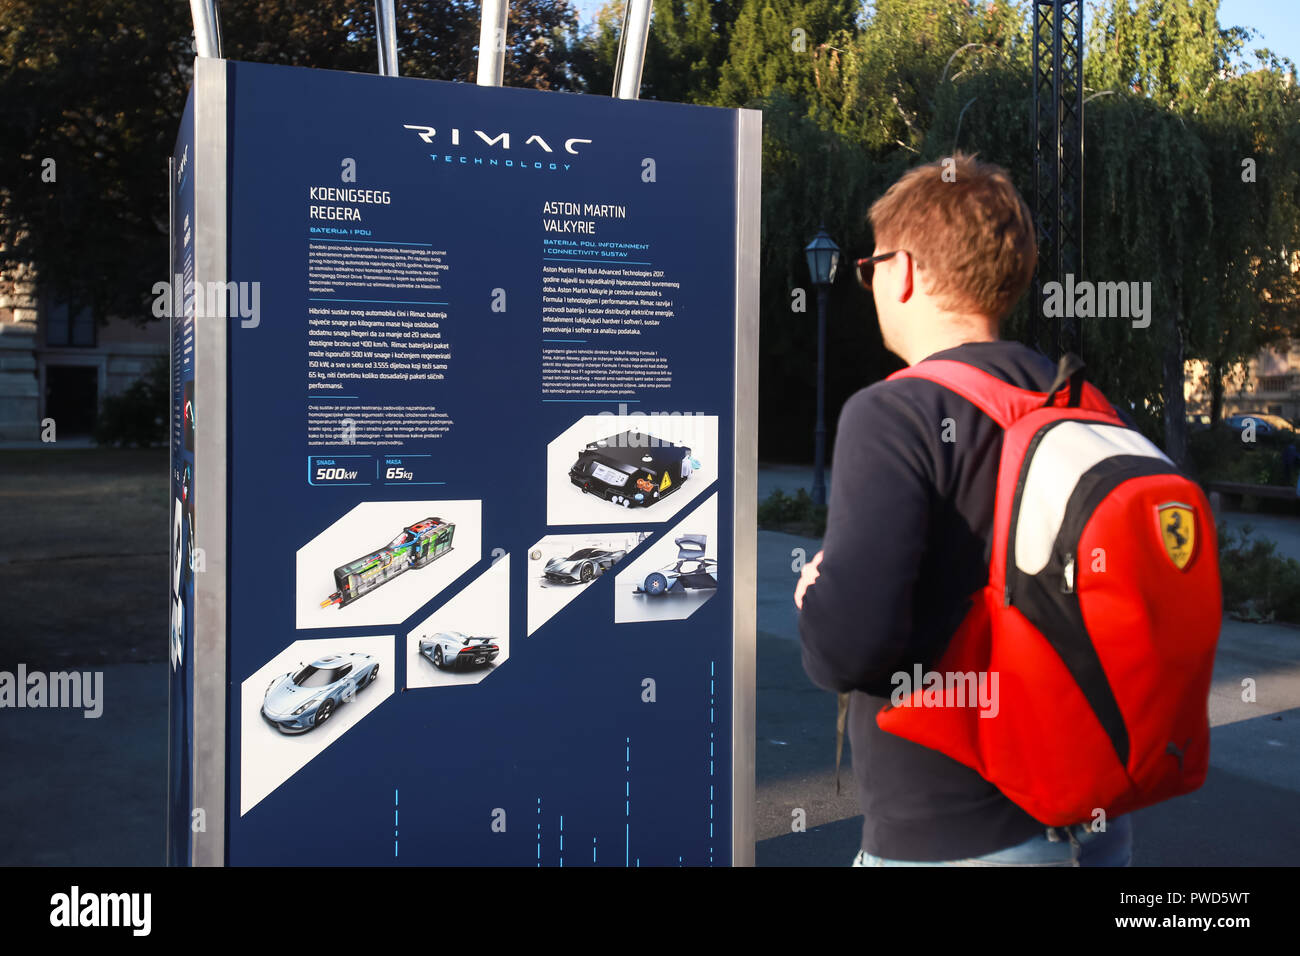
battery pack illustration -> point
(416, 547)
(632, 469)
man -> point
(911, 517)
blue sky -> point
(1277, 20)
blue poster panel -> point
(177, 303)
(481, 366)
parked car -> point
(301, 700)
(582, 566)
(452, 649)
(415, 547)
(1265, 423)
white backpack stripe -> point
(1067, 452)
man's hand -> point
(806, 577)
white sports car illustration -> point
(452, 649)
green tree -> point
(813, 176)
(1146, 221)
(777, 45)
(1251, 125)
(597, 52)
(1165, 201)
(436, 39)
(98, 86)
(686, 47)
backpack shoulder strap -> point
(1002, 401)
(999, 400)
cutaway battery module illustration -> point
(417, 546)
(691, 569)
(632, 469)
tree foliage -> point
(1192, 139)
(98, 86)
(1176, 103)
(436, 39)
(1168, 200)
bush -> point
(138, 415)
(1258, 583)
(794, 515)
(1219, 454)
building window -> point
(64, 327)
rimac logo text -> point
(535, 141)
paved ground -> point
(1284, 531)
(83, 556)
(83, 792)
(88, 792)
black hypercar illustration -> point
(691, 569)
(415, 547)
(188, 415)
(187, 503)
(582, 566)
(632, 469)
(300, 700)
(454, 649)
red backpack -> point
(1095, 635)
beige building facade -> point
(1270, 382)
(60, 365)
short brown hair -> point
(966, 227)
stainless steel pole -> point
(386, 36)
(631, 49)
(492, 42)
(207, 35)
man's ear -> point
(906, 268)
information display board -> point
(465, 456)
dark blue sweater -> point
(907, 543)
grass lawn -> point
(83, 551)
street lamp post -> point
(823, 258)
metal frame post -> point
(631, 49)
(492, 42)
(386, 37)
(207, 31)
(1058, 160)
(749, 180)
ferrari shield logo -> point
(1177, 531)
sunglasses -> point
(866, 267)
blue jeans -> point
(1076, 845)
